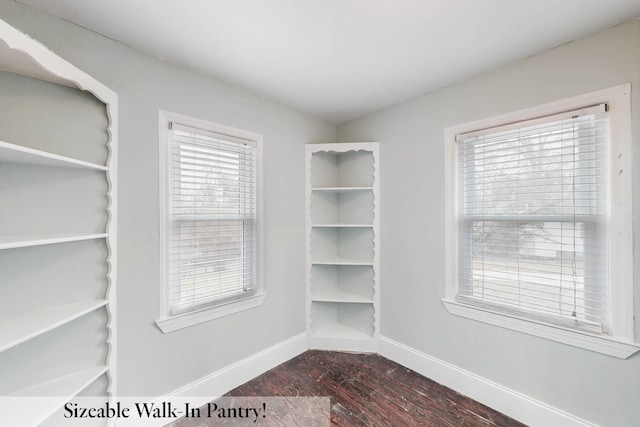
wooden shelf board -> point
(34, 405)
(341, 261)
(12, 153)
(342, 225)
(339, 295)
(67, 386)
(16, 329)
(340, 331)
(11, 242)
(341, 189)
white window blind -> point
(212, 218)
(532, 218)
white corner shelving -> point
(343, 245)
(58, 265)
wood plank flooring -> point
(368, 390)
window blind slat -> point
(203, 282)
(547, 301)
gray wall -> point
(599, 388)
(151, 363)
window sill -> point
(593, 342)
(173, 323)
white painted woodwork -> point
(12, 242)
(336, 225)
(27, 333)
(12, 153)
(69, 385)
(16, 329)
(338, 295)
(343, 246)
(338, 331)
(339, 260)
(340, 189)
(48, 397)
(510, 402)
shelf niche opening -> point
(342, 207)
(48, 200)
(67, 273)
(59, 119)
(349, 283)
(342, 243)
(348, 169)
(341, 320)
(72, 346)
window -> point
(211, 221)
(538, 201)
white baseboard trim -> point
(216, 384)
(222, 381)
(512, 403)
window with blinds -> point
(211, 218)
(532, 218)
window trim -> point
(168, 322)
(620, 343)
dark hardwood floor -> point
(368, 390)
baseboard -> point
(220, 382)
(216, 384)
(512, 403)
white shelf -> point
(342, 225)
(341, 189)
(67, 386)
(339, 295)
(35, 404)
(11, 242)
(80, 208)
(11, 153)
(340, 331)
(340, 261)
(17, 329)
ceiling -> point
(341, 59)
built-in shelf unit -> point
(58, 179)
(343, 245)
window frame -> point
(619, 342)
(168, 321)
